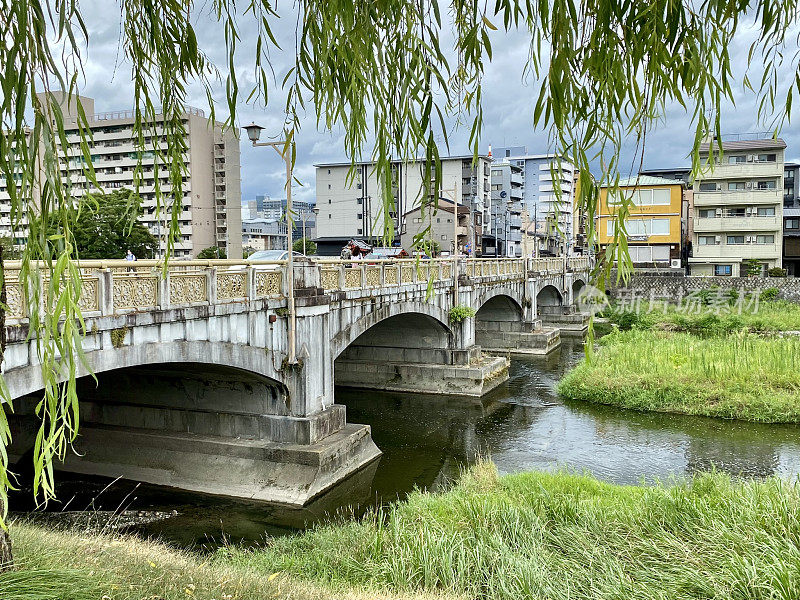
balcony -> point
(735, 253)
(743, 170)
(723, 224)
(741, 197)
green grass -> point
(562, 536)
(553, 536)
(741, 376)
(81, 565)
(770, 317)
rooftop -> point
(398, 160)
(647, 180)
(747, 141)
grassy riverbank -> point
(532, 535)
(737, 376)
(771, 317)
(70, 565)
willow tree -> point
(604, 72)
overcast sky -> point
(508, 102)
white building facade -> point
(353, 207)
(211, 204)
(550, 212)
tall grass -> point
(770, 317)
(562, 536)
(740, 376)
(86, 565)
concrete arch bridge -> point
(197, 388)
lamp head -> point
(253, 132)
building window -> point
(735, 240)
(765, 158)
(359, 216)
(329, 215)
(497, 186)
(708, 187)
(736, 160)
(706, 240)
(329, 171)
(438, 220)
(768, 184)
(444, 237)
(765, 239)
(766, 211)
(329, 186)
(359, 232)
(735, 212)
(329, 201)
(792, 223)
(708, 213)
(359, 200)
(736, 185)
(722, 270)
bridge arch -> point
(23, 381)
(433, 319)
(549, 300)
(577, 286)
(500, 307)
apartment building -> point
(503, 236)
(654, 230)
(264, 234)
(351, 207)
(551, 213)
(211, 203)
(738, 206)
(439, 225)
(791, 219)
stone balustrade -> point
(118, 287)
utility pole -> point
(454, 190)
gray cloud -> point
(508, 101)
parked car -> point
(272, 255)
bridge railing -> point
(337, 274)
(118, 287)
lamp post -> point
(254, 134)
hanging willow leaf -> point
(605, 70)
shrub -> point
(460, 312)
(776, 272)
(769, 294)
(212, 252)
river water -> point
(427, 440)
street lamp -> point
(280, 146)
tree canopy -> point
(212, 252)
(383, 74)
(107, 227)
(305, 246)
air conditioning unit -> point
(719, 187)
(749, 185)
(718, 212)
(717, 239)
(675, 263)
(750, 157)
(749, 239)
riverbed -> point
(427, 440)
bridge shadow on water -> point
(426, 441)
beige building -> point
(738, 207)
(211, 203)
(353, 208)
(442, 228)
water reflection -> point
(522, 425)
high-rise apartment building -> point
(738, 206)
(503, 235)
(791, 219)
(211, 204)
(352, 207)
(551, 212)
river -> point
(427, 440)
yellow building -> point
(653, 229)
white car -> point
(272, 255)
